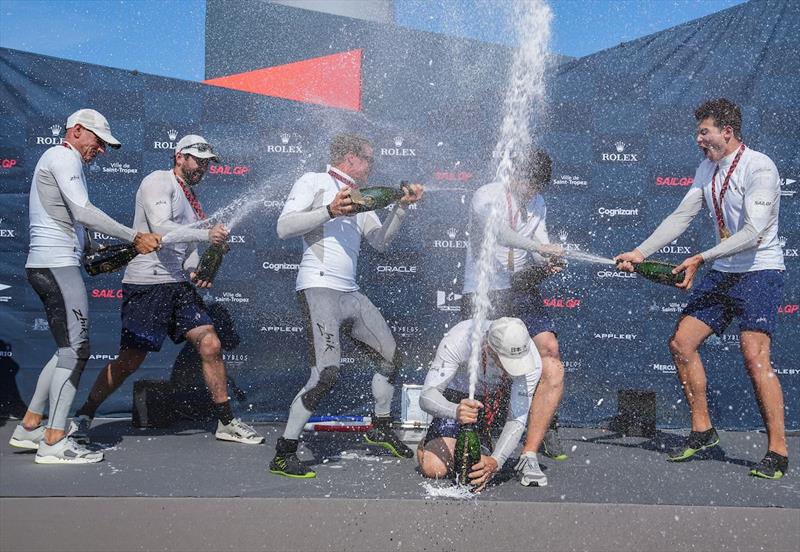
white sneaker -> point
(529, 472)
(66, 451)
(239, 432)
(79, 429)
(26, 439)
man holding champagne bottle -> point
(60, 211)
(321, 209)
(159, 298)
(523, 256)
(509, 371)
(742, 189)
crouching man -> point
(508, 372)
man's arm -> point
(304, 211)
(380, 235)
(68, 178)
(155, 196)
(675, 224)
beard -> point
(192, 176)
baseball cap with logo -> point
(94, 121)
(508, 337)
(196, 146)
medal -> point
(724, 233)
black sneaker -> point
(287, 463)
(698, 441)
(773, 466)
(384, 436)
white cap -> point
(196, 146)
(508, 337)
(94, 121)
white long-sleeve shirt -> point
(522, 227)
(162, 208)
(59, 210)
(449, 370)
(331, 246)
(750, 211)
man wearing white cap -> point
(159, 296)
(508, 357)
(60, 212)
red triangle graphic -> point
(333, 81)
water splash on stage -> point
(525, 94)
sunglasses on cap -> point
(202, 147)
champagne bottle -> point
(210, 262)
(658, 272)
(467, 453)
(109, 258)
(376, 197)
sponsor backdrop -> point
(619, 126)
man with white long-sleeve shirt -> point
(741, 188)
(319, 208)
(508, 372)
(60, 212)
(159, 295)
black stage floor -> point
(180, 489)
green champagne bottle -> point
(467, 453)
(659, 272)
(211, 261)
(109, 258)
(376, 197)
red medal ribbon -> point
(198, 210)
(343, 180)
(725, 183)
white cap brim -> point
(520, 366)
(201, 154)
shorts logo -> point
(330, 343)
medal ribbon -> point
(343, 180)
(198, 210)
(723, 231)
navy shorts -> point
(528, 306)
(448, 427)
(150, 313)
(752, 297)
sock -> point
(223, 412)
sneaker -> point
(773, 466)
(552, 447)
(287, 463)
(26, 439)
(79, 429)
(239, 432)
(66, 451)
(384, 436)
(529, 472)
(698, 441)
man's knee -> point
(327, 379)
(208, 344)
(431, 465)
(547, 345)
(390, 368)
(681, 345)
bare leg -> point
(205, 339)
(436, 457)
(548, 392)
(755, 350)
(111, 377)
(689, 334)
